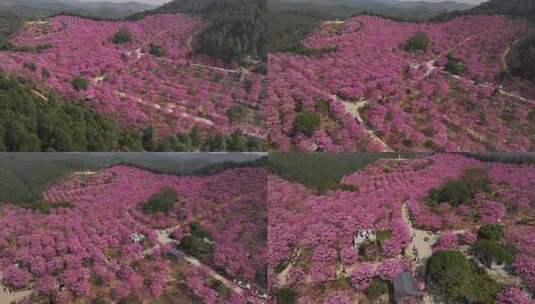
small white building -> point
(137, 237)
(363, 235)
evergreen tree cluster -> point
(31, 121)
(521, 59)
(9, 24)
(234, 28)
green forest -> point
(34, 121)
(9, 24)
(289, 23)
(234, 28)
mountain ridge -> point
(40, 9)
(515, 8)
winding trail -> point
(353, 108)
(504, 58)
(7, 296)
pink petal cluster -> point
(65, 252)
(362, 275)
(389, 269)
(172, 93)
(381, 97)
(315, 231)
(514, 296)
(447, 241)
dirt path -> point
(38, 94)
(164, 238)
(353, 108)
(504, 58)
(215, 68)
(214, 274)
(506, 54)
(7, 297)
(422, 241)
(13, 297)
(500, 274)
(282, 277)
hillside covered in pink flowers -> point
(422, 212)
(126, 234)
(141, 73)
(373, 84)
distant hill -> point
(22, 174)
(290, 20)
(521, 8)
(235, 28)
(198, 7)
(521, 58)
(412, 9)
(516, 8)
(40, 9)
(9, 23)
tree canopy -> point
(450, 275)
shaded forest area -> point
(234, 28)
(289, 23)
(31, 120)
(9, 24)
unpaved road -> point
(422, 241)
(7, 297)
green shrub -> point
(162, 201)
(460, 190)
(314, 52)
(222, 290)
(199, 232)
(450, 275)
(98, 300)
(196, 247)
(281, 266)
(454, 65)
(338, 186)
(37, 204)
(238, 113)
(122, 36)
(490, 232)
(45, 73)
(418, 42)
(489, 251)
(431, 145)
(323, 107)
(306, 122)
(376, 289)
(370, 251)
(521, 58)
(261, 277)
(285, 296)
(156, 50)
(30, 66)
(383, 235)
(531, 116)
(79, 83)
